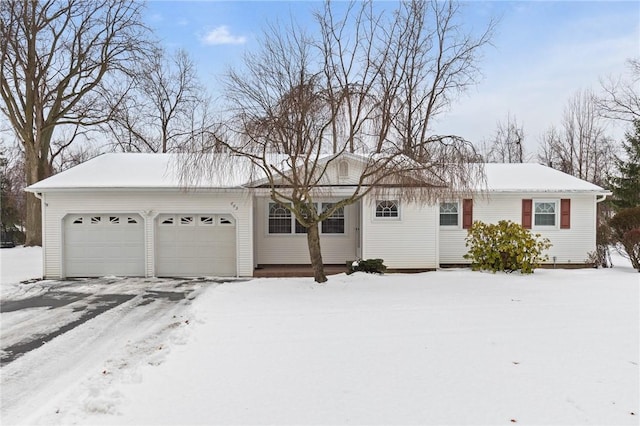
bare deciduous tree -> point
(507, 145)
(621, 98)
(12, 199)
(302, 102)
(425, 63)
(163, 108)
(580, 147)
(55, 58)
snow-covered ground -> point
(18, 264)
(446, 347)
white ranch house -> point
(130, 215)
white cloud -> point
(221, 35)
(156, 17)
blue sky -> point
(542, 53)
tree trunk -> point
(36, 169)
(33, 234)
(313, 240)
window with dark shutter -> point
(526, 213)
(467, 213)
(565, 213)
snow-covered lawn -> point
(19, 264)
(446, 347)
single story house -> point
(130, 215)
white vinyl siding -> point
(569, 245)
(407, 242)
(148, 204)
(292, 248)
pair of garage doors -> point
(185, 245)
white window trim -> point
(192, 223)
(387, 218)
(458, 225)
(304, 234)
(556, 224)
(210, 217)
(162, 219)
(231, 220)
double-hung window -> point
(545, 213)
(282, 221)
(279, 219)
(334, 224)
(449, 214)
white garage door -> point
(97, 245)
(195, 245)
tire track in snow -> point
(37, 381)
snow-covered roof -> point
(163, 171)
(137, 171)
(529, 177)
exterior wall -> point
(148, 204)
(292, 249)
(409, 242)
(569, 245)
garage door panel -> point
(199, 247)
(104, 244)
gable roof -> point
(138, 171)
(530, 177)
(162, 171)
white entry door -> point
(195, 245)
(97, 245)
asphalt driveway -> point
(53, 332)
(61, 306)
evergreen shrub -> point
(625, 226)
(372, 266)
(505, 246)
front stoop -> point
(280, 271)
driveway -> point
(56, 331)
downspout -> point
(600, 198)
(43, 208)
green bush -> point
(372, 266)
(625, 226)
(505, 246)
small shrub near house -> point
(372, 266)
(505, 246)
(625, 227)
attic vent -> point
(343, 169)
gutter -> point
(603, 195)
(131, 189)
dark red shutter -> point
(467, 213)
(565, 213)
(527, 207)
